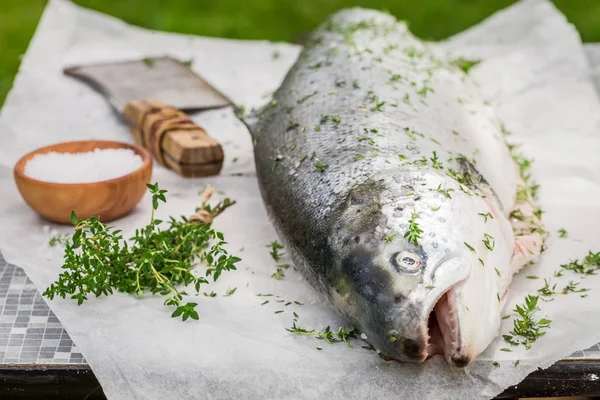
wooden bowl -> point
(107, 200)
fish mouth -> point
(444, 335)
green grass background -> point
(267, 19)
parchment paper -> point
(535, 72)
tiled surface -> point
(31, 334)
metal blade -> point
(164, 79)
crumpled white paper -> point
(535, 72)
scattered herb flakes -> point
(189, 63)
(589, 265)
(498, 271)
(496, 364)
(390, 238)
(445, 192)
(342, 335)
(469, 247)
(319, 348)
(481, 262)
(308, 96)
(489, 241)
(149, 61)
(506, 349)
(378, 106)
(355, 85)
(264, 302)
(62, 239)
(406, 99)
(211, 294)
(465, 64)
(395, 77)
(295, 315)
(292, 126)
(506, 316)
(298, 303)
(98, 260)
(317, 128)
(532, 277)
(485, 216)
(229, 292)
(436, 208)
(430, 287)
(413, 234)
(562, 233)
(278, 312)
(265, 295)
(516, 363)
(572, 287)
(321, 166)
(547, 290)
(435, 162)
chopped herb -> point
(589, 265)
(278, 312)
(264, 302)
(445, 192)
(414, 231)
(485, 216)
(547, 290)
(506, 316)
(275, 247)
(395, 77)
(406, 99)
(304, 98)
(488, 241)
(496, 364)
(149, 62)
(390, 238)
(429, 287)
(319, 348)
(188, 63)
(532, 277)
(464, 64)
(469, 247)
(516, 363)
(562, 233)
(436, 208)
(342, 335)
(265, 295)
(292, 126)
(481, 262)
(59, 239)
(436, 162)
(321, 166)
(497, 271)
(211, 294)
(317, 128)
(355, 85)
(230, 291)
(572, 287)
(506, 349)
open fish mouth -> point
(444, 331)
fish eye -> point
(407, 262)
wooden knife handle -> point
(174, 139)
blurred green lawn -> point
(267, 19)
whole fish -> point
(388, 178)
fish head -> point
(412, 299)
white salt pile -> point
(92, 166)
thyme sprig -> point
(98, 260)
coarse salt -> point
(85, 167)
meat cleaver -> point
(152, 94)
